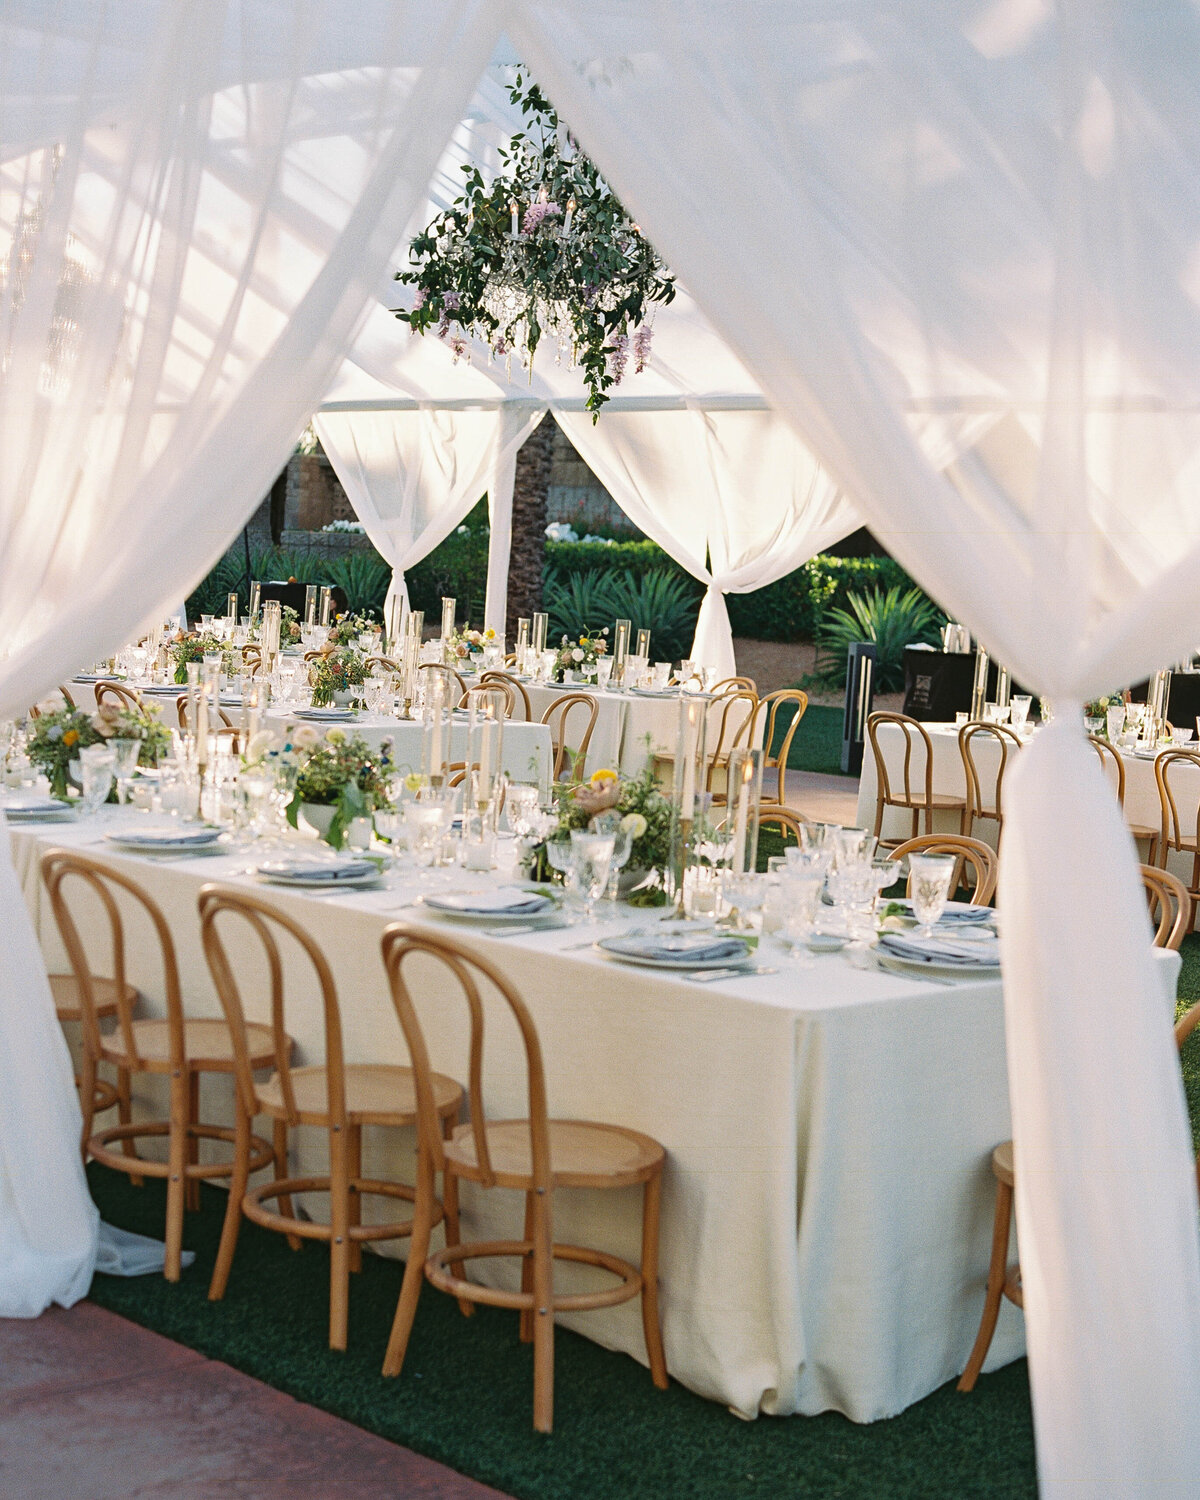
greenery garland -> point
(546, 247)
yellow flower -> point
(602, 777)
(414, 781)
(489, 634)
(71, 737)
(634, 825)
(336, 736)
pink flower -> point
(419, 299)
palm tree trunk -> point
(528, 554)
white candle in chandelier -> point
(566, 229)
(515, 221)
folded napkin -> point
(505, 898)
(688, 947)
(955, 912)
(319, 869)
(152, 836)
(970, 950)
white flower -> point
(305, 737)
(634, 825)
(576, 654)
(335, 736)
(261, 744)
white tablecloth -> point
(828, 1197)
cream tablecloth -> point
(828, 1198)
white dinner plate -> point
(677, 962)
(323, 715)
(914, 967)
(167, 842)
(457, 905)
(363, 882)
(45, 810)
(667, 692)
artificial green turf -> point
(465, 1396)
(818, 742)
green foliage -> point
(364, 577)
(457, 568)
(345, 772)
(604, 273)
(660, 601)
(891, 619)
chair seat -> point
(376, 1094)
(65, 989)
(1144, 831)
(207, 1045)
(1002, 1163)
(938, 799)
(582, 1154)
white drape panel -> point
(734, 488)
(184, 259)
(500, 514)
(890, 211)
(412, 475)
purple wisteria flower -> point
(536, 212)
(617, 357)
(420, 299)
(641, 348)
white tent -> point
(907, 221)
(689, 448)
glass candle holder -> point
(310, 604)
(744, 797)
(643, 644)
(325, 605)
(689, 799)
(449, 610)
(435, 749)
(255, 597)
(620, 649)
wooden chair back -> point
(730, 713)
(556, 717)
(517, 689)
(1170, 908)
(785, 819)
(115, 692)
(1108, 756)
(765, 715)
(252, 659)
(498, 694)
(181, 711)
(1008, 744)
(974, 852)
(731, 684)
(61, 865)
(400, 944)
(916, 782)
(1172, 834)
(266, 921)
(34, 712)
(378, 664)
(455, 686)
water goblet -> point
(591, 855)
(1180, 736)
(801, 898)
(929, 882)
(561, 857)
(604, 671)
(96, 766)
(125, 754)
(1115, 721)
(1019, 711)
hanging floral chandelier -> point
(545, 251)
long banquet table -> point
(828, 1198)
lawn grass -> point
(818, 742)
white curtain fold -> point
(412, 475)
(184, 260)
(991, 211)
(733, 496)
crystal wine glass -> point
(929, 884)
(96, 776)
(125, 754)
(591, 855)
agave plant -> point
(658, 600)
(364, 578)
(891, 619)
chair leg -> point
(997, 1272)
(87, 1100)
(527, 1271)
(238, 1184)
(125, 1115)
(354, 1197)
(339, 1238)
(176, 1177)
(543, 1315)
(280, 1134)
(192, 1195)
(450, 1213)
(651, 1203)
(414, 1271)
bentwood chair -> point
(516, 687)
(979, 856)
(336, 1096)
(1169, 898)
(979, 805)
(498, 694)
(732, 684)
(766, 714)
(1168, 767)
(181, 713)
(252, 659)
(585, 709)
(914, 793)
(455, 686)
(35, 712)
(1110, 756)
(536, 1156)
(114, 692)
(786, 821)
(175, 1047)
(728, 719)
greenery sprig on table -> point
(195, 648)
(343, 772)
(644, 811)
(57, 739)
(347, 629)
(465, 643)
(546, 242)
(123, 722)
(582, 654)
(337, 673)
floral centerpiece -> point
(645, 814)
(58, 737)
(338, 673)
(195, 648)
(1098, 709)
(338, 778)
(581, 655)
(347, 629)
(119, 721)
(466, 643)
